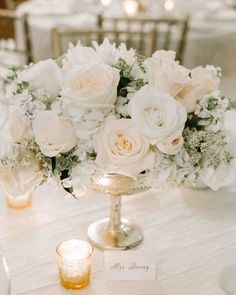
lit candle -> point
(131, 7)
(169, 5)
(106, 2)
(74, 262)
(18, 202)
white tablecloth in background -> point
(211, 38)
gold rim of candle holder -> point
(65, 241)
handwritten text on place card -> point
(130, 265)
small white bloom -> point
(107, 52)
(158, 115)
(79, 55)
(44, 75)
(129, 55)
(53, 134)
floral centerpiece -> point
(112, 109)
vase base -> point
(126, 237)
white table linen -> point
(192, 233)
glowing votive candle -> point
(106, 2)
(169, 5)
(131, 7)
(74, 262)
(19, 202)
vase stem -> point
(115, 214)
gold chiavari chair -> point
(169, 33)
(10, 53)
(12, 4)
(62, 36)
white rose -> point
(92, 84)
(122, 149)
(53, 134)
(44, 75)
(171, 145)
(21, 180)
(158, 115)
(79, 55)
(165, 74)
(203, 83)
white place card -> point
(130, 265)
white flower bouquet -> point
(112, 109)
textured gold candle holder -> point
(114, 233)
(74, 262)
(19, 202)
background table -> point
(192, 232)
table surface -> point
(192, 232)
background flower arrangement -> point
(112, 109)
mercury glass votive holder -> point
(18, 202)
(74, 262)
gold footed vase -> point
(114, 233)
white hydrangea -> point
(84, 148)
(122, 106)
(215, 71)
(88, 120)
(212, 109)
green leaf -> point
(124, 82)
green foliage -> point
(13, 73)
(140, 62)
(192, 122)
(212, 103)
(20, 87)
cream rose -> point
(165, 74)
(122, 149)
(158, 115)
(202, 83)
(21, 180)
(44, 75)
(171, 145)
(91, 84)
(54, 134)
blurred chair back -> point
(10, 53)
(12, 4)
(170, 33)
(140, 40)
